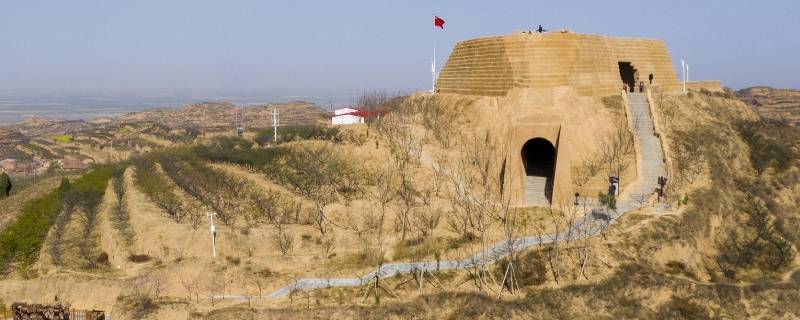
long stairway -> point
(649, 147)
(589, 225)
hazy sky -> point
(343, 47)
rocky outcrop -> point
(773, 103)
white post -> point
(683, 74)
(275, 124)
(213, 234)
(687, 72)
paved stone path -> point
(590, 225)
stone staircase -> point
(536, 191)
(591, 224)
(651, 154)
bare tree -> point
(160, 284)
(192, 287)
(556, 232)
(438, 119)
(377, 103)
(585, 170)
(616, 149)
(514, 226)
(323, 175)
(216, 286)
(328, 242)
(405, 146)
(193, 211)
(258, 282)
(141, 285)
(688, 155)
(478, 182)
(284, 240)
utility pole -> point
(239, 121)
(213, 234)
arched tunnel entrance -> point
(539, 161)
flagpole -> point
(433, 63)
(433, 68)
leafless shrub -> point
(160, 284)
(585, 170)
(328, 242)
(439, 120)
(426, 222)
(195, 215)
(192, 286)
(405, 146)
(284, 240)
(378, 103)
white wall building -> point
(345, 116)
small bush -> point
(102, 259)
(681, 308)
(265, 273)
(284, 241)
(139, 305)
(530, 269)
(5, 185)
(678, 267)
(139, 258)
(233, 260)
(297, 132)
(608, 200)
(612, 102)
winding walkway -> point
(590, 225)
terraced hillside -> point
(773, 103)
(217, 114)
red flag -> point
(438, 22)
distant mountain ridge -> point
(219, 114)
(773, 103)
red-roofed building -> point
(344, 116)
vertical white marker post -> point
(683, 74)
(275, 124)
(213, 234)
(687, 72)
